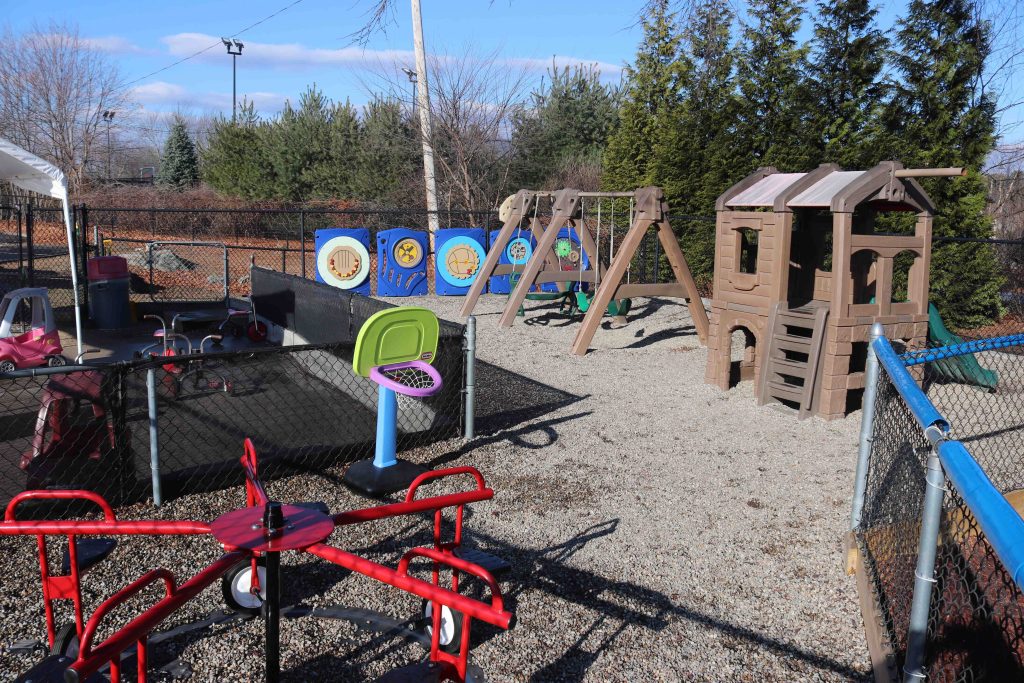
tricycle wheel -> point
(56, 361)
(237, 583)
(257, 331)
(65, 642)
(7, 366)
(450, 638)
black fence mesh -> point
(303, 407)
(976, 626)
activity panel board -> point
(343, 258)
(571, 255)
(401, 262)
(460, 253)
(516, 253)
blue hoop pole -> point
(387, 420)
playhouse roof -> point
(826, 187)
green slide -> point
(964, 369)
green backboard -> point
(396, 335)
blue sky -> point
(309, 42)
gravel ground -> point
(659, 529)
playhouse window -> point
(747, 257)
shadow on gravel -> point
(506, 399)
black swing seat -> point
(91, 551)
(51, 670)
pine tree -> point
(332, 177)
(773, 120)
(696, 155)
(298, 140)
(179, 164)
(653, 94)
(570, 120)
(388, 154)
(848, 58)
(234, 161)
(940, 115)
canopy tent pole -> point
(74, 275)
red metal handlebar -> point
(456, 563)
(468, 606)
(85, 649)
(438, 474)
(65, 494)
(139, 627)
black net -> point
(303, 407)
(976, 626)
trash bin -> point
(109, 280)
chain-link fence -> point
(174, 424)
(974, 629)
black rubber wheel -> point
(7, 366)
(65, 642)
(236, 584)
(56, 361)
(451, 626)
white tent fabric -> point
(29, 172)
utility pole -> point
(108, 116)
(423, 102)
(234, 71)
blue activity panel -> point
(343, 258)
(570, 254)
(516, 253)
(401, 262)
(460, 255)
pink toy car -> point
(40, 343)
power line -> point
(210, 47)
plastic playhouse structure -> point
(40, 343)
(594, 283)
(394, 349)
(253, 538)
(801, 270)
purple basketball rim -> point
(412, 378)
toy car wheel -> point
(7, 366)
(236, 586)
(56, 361)
(65, 642)
(450, 638)
(257, 331)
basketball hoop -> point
(411, 380)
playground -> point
(696, 543)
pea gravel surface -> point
(658, 529)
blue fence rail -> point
(929, 490)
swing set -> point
(560, 252)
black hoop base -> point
(365, 478)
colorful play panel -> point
(402, 262)
(343, 258)
(460, 253)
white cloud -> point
(561, 61)
(282, 55)
(114, 44)
(164, 94)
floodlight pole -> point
(423, 102)
(108, 116)
(234, 72)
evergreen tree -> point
(848, 57)
(234, 161)
(297, 141)
(774, 117)
(653, 93)
(697, 156)
(179, 164)
(388, 154)
(571, 119)
(333, 176)
(940, 115)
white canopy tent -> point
(29, 172)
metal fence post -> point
(227, 275)
(470, 376)
(302, 241)
(867, 421)
(924, 573)
(154, 443)
(30, 239)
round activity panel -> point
(343, 258)
(516, 253)
(401, 262)
(460, 254)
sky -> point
(300, 42)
